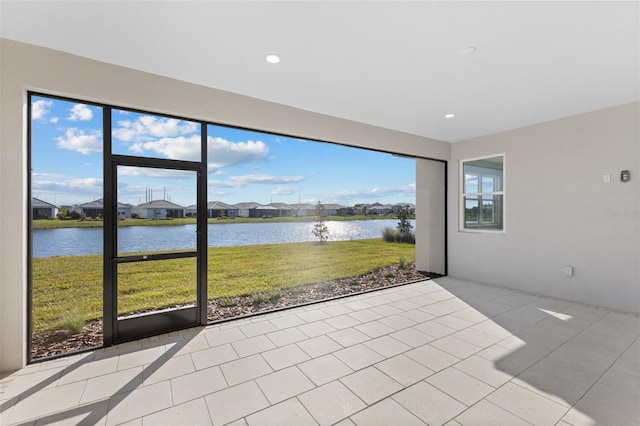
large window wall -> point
(266, 194)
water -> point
(81, 241)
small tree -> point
(403, 216)
(320, 230)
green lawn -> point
(63, 285)
(91, 223)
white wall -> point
(558, 210)
(430, 230)
(25, 67)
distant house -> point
(304, 209)
(159, 209)
(243, 208)
(214, 209)
(94, 209)
(379, 209)
(411, 208)
(284, 210)
(332, 209)
(263, 211)
(42, 209)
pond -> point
(82, 241)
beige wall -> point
(25, 67)
(430, 192)
(558, 210)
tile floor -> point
(437, 352)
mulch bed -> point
(51, 343)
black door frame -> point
(121, 330)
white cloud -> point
(402, 191)
(80, 112)
(223, 153)
(244, 180)
(40, 108)
(180, 148)
(81, 141)
(70, 186)
(147, 128)
(53, 120)
(157, 173)
(284, 190)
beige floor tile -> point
(483, 370)
(213, 356)
(358, 356)
(222, 337)
(187, 346)
(387, 346)
(386, 310)
(527, 405)
(105, 386)
(139, 403)
(169, 369)
(86, 370)
(459, 385)
(434, 329)
(491, 328)
(197, 384)
(258, 328)
(417, 315)
(412, 337)
(331, 403)
(190, 413)
(365, 316)
(476, 337)
(319, 346)
(561, 381)
(342, 321)
(485, 413)
(236, 402)
(470, 314)
(371, 385)
(286, 337)
(313, 315)
(324, 369)
(94, 414)
(46, 402)
(284, 384)
(404, 305)
(456, 347)
(285, 357)
(348, 337)
(287, 321)
(621, 378)
(432, 358)
(34, 381)
(397, 322)
(335, 310)
(315, 329)
(244, 369)
(609, 405)
(429, 404)
(374, 329)
(252, 345)
(141, 357)
(404, 370)
(386, 412)
(288, 413)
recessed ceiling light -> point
(470, 50)
(273, 59)
(449, 116)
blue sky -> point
(243, 165)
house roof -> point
(282, 206)
(160, 204)
(403, 65)
(99, 204)
(38, 203)
(247, 205)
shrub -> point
(395, 236)
(73, 322)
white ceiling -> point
(392, 64)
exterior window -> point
(482, 194)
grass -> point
(96, 223)
(65, 284)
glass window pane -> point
(67, 238)
(484, 212)
(153, 136)
(488, 168)
(487, 184)
(147, 287)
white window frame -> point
(462, 194)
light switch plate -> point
(606, 178)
